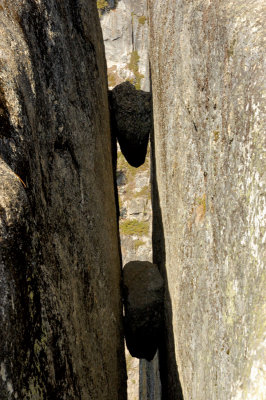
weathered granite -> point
(60, 304)
(125, 33)
(207, 78)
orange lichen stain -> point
(197, 214)
(200, 209)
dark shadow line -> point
(170, 383)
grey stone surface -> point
(60, 303)
(131, 119)
(143, 300)
(125, 29)
(209, 167)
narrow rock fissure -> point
(131, 126)
(143, 288)
(170, 383)
(184, 211)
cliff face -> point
(206, 62)
(125, 33)
(60, 307)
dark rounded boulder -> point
(131, 121)
(143, 289)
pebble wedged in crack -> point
(143, 299)
(131, 121)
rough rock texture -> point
(135, 209)
(207, 75)
(143, 300)
(60, 307)
(131, 121)
(125, 33)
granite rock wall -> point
(60, 301)
(209, 194)
(125, 34)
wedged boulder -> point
(143, 300)
(131, 121)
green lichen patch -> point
(144, 192)
(230, 50)
(134, 67)
(142, 19)
(101, 6)
(138, 243)
(201, 201)
(134, 227)
(104, 6)
(216, 135)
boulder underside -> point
(143, 300)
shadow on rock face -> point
(131, 121)
(143, 299)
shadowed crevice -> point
(170, 383)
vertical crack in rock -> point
(125, 32)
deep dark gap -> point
(170, 382)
